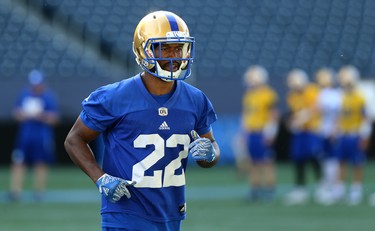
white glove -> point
(113, 188)
(201, 148)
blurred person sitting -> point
(36, 112)
(328, 104)
(303, 123)
(354, 132)
(260, 125)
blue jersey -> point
(147, 142)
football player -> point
(150, 122)
(36, 111)
(354, 132)
(303, 123)
(260, 125)
(328, 104)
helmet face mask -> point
(155, 58)
(156, 31)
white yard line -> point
(193, 193)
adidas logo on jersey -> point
(164, 126)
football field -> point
(215, 201)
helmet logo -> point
(163, 111)
(173, 34)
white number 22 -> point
(157, 180)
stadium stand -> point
(231, 34)
(28, 41)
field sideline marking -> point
(194, 193)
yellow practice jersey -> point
(258, 104)
(352, 112)
(302, 104)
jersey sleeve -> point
(207, 116)
(95, 114)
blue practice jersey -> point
(148, 143)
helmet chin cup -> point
(168, 75)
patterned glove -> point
(113, 188)
(201, 148)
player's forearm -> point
(81, 154)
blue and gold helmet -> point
(156, 29)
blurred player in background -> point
(303, 123)
(354, 132)
(36, 111)
(260, 125)
(149, 123)
(328, 104)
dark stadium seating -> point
(231, 34)
(91, 38)
(28, 41)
